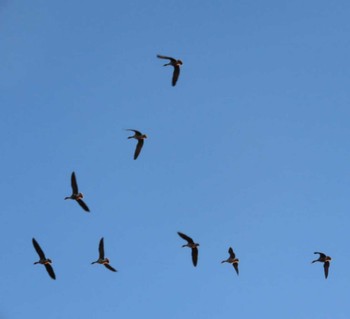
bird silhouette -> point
(232, 260)
(140, 139)
(76, 195)
(101, 259)
(325, 260)
(176, 64)
(192, 245)
(43, 260)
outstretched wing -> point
(110, 267)
(138, 149)
(185, 237)
(83, 205)
(166, 57)
(232, 254)
(101, 249)
(322, 255)
(194, 256)
(326, 267)
(135, 131)
(50, 271)
(38, 249)
(176, 74)
(235, 265)
(74, 184)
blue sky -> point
(249, 150)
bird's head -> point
(145, 136)
(179, 62)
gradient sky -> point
(249, 150)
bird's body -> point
(101, 259)
(191, 244)
(43, 260)
(140, 140)
(232, 260)
(76, 195)
(176, 64)
(325, 260)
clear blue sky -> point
(249, 150)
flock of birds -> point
(78, 197)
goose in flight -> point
(101, 259)
(232, 260)
(325, 260)
(192, 245)
(43, 260)
(140, 139)
(76, 195)
(176, 64)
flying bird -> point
(325, 260)
(76, 195)
(175, 63)
(101, 259)
(43, 260)
(192, 245)
(232, 260)
(140, 139)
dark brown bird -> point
(101, 259)
(176, 64)
(140, 138)
(325, 260)
(192, 245)
(76, 195)
(232, 260)
(43, 260)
